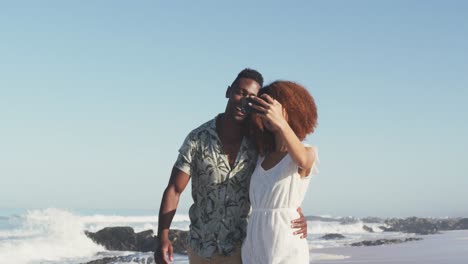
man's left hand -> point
(300, 224)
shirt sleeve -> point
(185, 159)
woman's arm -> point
(303, 156)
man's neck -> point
(229, 129)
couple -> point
(238, 160)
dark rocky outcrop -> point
(461, 224)
(451, 223)
(368, 229)
(349, 220)
(332, 236)
(424, 226)
(179, 240)
(415, 225)
(125, 239)
(124, 259)
(379, 242)
(369, 220)
(146, 241)
(115, 238)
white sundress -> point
(275, 195)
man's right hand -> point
(164, 253)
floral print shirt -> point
(218, 215)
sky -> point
(96, 97)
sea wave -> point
(57, 236)
(320, 227)
(46, 235)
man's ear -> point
(228, 91)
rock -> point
(415, 225)
(388, 229)
(461, 224)
(134, 258)
(348, 220)
(179, 240)
(125, 239)
(408, 239)
(115, 238)
(368, 228)
(421, 226)
(425, 226)
(369, 220)
(379, 242)
(146, 241)
(332, 236)
(444, 224)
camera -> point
(246, 108)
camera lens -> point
(245, 107)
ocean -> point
(52, 236)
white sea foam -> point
(128, 219)
(317, 257)
(352, 232)
(139, 223)
(56, 236)
(319, 227)
(46, 235)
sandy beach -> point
(450, 247)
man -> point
(220, 160)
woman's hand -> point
(274, 118)
(271, 112)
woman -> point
(284, 114)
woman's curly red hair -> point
(300, 109)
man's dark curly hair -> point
(249, 74)
(301, 112)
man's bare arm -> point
(169, 203)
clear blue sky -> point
(97, 96)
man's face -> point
(243, 87)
